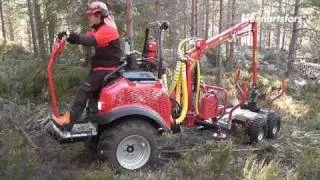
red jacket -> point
(105, 38)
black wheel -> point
(273, 125)
(129, 145)
(92, 144)
(256, 130)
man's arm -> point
(87, 40)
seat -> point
(139, 76)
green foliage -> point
(140, 22)
(99, 175)
(223, 158)
(4, 83)
(206, 163)
(12, 50)
(73, 52)
(260, 170)
(67, 79)
(212, 55)
(302, 105)
(309, 166)
(315, 3)
(16, 160)
(186, 164)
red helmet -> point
(98, 6)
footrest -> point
(79, 132)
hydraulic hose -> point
(175, 77)
(198, 79)
(179, 83)
(185, 105)
(165, 81)
(177, 71)
(178, 90)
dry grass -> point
(255, 170)
(291, 108)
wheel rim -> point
(260, 136)
(133, 152)
(274, 130)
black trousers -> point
(88, 90)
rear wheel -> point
(256, 130)
(274, 125)
(129, 145)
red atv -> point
(135, 106)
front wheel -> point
(129, 145)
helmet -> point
(98, 6)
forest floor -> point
(28, 152)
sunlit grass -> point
(260, 170)
(292, 109)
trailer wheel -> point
(256, 130)
(273, 124)
(129, 145)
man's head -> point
(96, 12)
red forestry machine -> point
(135, 106)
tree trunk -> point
(214, 14)
(157, 3)
(270, 31)
(232, 44)
(294, 39)
(130, 24)
(227, 25)
(52, 22)
(32, 27)
(185, 23)
(40, 34)
(269, 39)
(11, 29)
(283, 44)
(279, 25)
(278, 34)
(206, 33)
(29, 36)
(220, 64)
(2, 24)
(194, 18)
(261, 40)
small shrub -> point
(4, 83)
(260, 170)
(187, 164)
(99, 175)
(34, 79)
(309, 166)
(13, 51)
(17, 160)
(223, 158)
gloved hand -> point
(62, 34)
(73, 38)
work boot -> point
(64, 121)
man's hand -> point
(73, 38)
(62, 34)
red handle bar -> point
(58, 47)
